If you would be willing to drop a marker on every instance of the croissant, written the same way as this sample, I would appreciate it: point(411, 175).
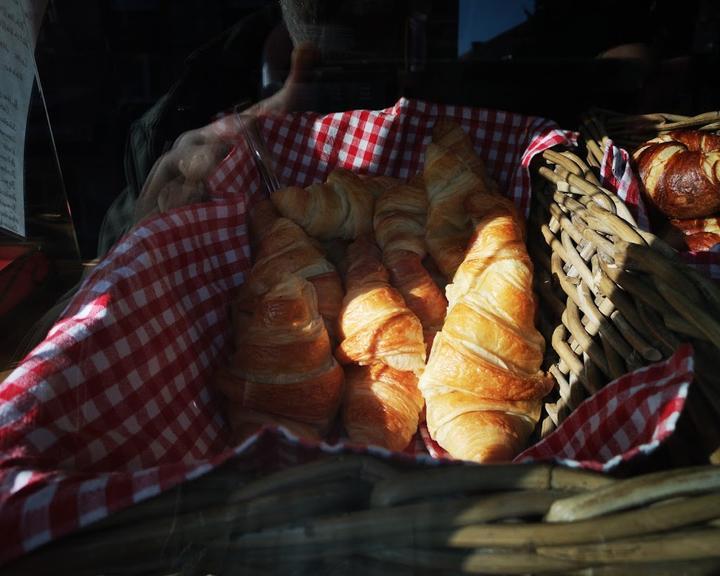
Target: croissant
point(379, 184)
point(375, 324)
point(482, 384)
point(381, 406)
point(681, 173)
point(342, 207)
point(283, 365)
point(399, 224)
point(451, 174)
point(382, 403)
point(399, 219)
point(286, 249)
point(449, 135)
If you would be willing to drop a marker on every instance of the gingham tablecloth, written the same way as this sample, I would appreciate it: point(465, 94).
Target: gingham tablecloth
point(114, 407)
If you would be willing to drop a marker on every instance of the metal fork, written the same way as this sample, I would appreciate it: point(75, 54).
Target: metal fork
point(262, 158)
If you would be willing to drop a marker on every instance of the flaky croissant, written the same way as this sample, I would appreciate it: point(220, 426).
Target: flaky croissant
point(283, 365)
point(452, 173)
point(375, 324)
point(342, 207)
point(381, 406)
point(383, 342)
point(399, 224)
point(482, 384)
point(449, 135)
point(399, 219)
point(286, 249)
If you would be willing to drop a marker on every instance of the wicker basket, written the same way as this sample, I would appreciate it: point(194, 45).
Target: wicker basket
point(630, 131)
point(356, 515)
point(613, 298)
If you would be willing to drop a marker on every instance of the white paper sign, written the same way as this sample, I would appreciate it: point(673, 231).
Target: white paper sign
point(17, 72)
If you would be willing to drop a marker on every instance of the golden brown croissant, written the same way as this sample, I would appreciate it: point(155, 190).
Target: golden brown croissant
point(342, 207)
point(449, 135)
point(451, 174)
point(482, 384)
point(379, 184)
point(375, 324)
point(399, 219)
point(286, 249)
point(381, 406)
point(283, 364)
point(399, 223)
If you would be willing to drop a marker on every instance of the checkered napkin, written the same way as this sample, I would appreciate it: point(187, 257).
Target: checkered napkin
point(616, 172)
point(114, 407)
point(611, 427)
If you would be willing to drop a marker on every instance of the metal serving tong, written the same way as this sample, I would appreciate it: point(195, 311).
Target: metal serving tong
point(262, 158)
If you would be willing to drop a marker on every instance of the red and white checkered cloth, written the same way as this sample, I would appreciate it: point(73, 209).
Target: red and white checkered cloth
point(611, 426)
point(617, 174)
point(113, 407)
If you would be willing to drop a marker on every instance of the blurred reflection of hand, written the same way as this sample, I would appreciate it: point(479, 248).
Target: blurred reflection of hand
point(178, 177)
point(298, 92)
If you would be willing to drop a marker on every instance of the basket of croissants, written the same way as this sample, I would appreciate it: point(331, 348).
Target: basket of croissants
point(428, 315)
point(401, 279)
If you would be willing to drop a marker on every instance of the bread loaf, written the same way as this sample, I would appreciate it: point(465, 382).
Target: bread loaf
point(381, 405)
point(698, 234)
point(680, 172)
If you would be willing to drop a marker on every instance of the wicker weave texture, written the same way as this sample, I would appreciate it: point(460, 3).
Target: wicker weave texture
point(356, 515)
point(613, 297)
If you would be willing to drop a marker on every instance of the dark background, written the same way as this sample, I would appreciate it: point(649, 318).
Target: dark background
point(103, 64)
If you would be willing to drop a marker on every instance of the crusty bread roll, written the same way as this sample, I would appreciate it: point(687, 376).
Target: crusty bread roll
point(449, 135)
point(702, 241)
point(262, 216)
point(680, 172)
point(244, 422)
point(483, 386)
point(399, 219)
point(697, 234)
